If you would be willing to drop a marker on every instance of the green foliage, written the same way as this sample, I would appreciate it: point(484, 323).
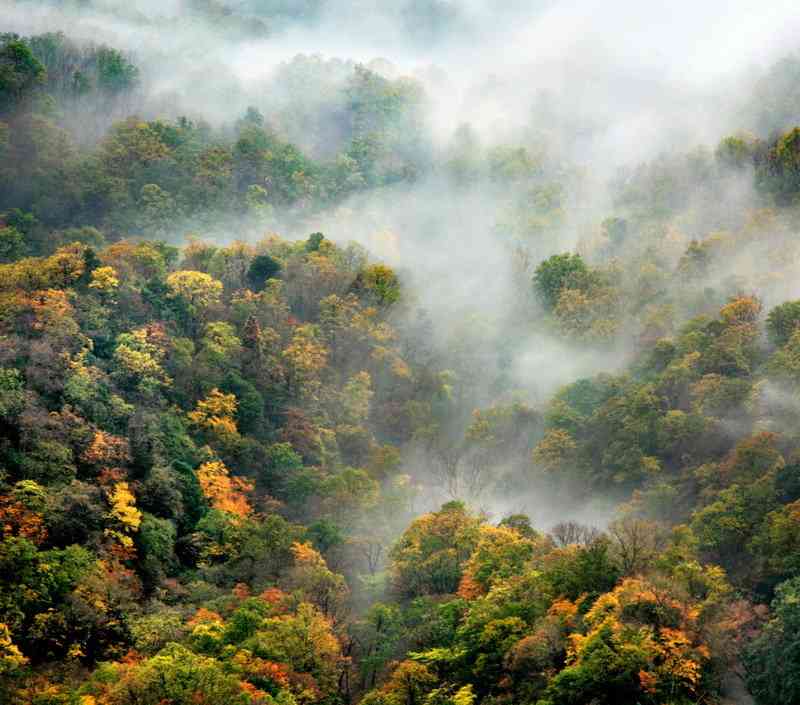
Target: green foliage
point(174, 675)
point(780, 174)
point(586, 570)
point(772, 661)
point(428, 557)
point(314, 241)
point(115, 74)
point(203, 450)
point(262, 267)
point(156, 540)
point(557, 273)
point(152, 632)
point(736, 151)
point(20, 72)
point(12, 244)
point(782, 321)
point(381, 284)
point(43, 580)
point(281, 462)
point(12, 393)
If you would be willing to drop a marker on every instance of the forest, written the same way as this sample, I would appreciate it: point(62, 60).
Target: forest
point(331, 378)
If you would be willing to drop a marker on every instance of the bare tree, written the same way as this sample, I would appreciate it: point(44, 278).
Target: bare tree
point(635, 543)
point(568, 533)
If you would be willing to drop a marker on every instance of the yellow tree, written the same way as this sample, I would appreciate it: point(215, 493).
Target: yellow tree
point(104, 280)
point(320, 585)
point(11, 658)
point(501, 552)
point(641, 643)
point(215, 416)
point(225, 493)
point(355, 399)
point(125, 517)
point(138, 357)
point(305, 358)
point(197, 292)
point(556, 450)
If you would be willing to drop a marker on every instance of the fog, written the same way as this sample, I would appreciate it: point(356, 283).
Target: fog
point(628, 79)
point(589, 86)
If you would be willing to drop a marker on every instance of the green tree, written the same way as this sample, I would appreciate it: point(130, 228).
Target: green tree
point(20, 73)
point(12, 244)
point(582, 570)
point(772, 661)
point(782, 321)
point(262, 267)
point(174, 675)
point(779, 174)
point(556, 273)
point(428, 557)
point(115, 74)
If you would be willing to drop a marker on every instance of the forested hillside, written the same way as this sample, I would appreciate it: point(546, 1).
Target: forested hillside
point(328, 395)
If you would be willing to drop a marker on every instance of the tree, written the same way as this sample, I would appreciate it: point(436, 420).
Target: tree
point(225, 493)
point(174, 675)
point(138, 356)
point(641, 644)
point(736, 151)
point(772, 660)
point(197, 291)
point(20, 73)
point(784, 365)
point(155, 543)
point(616, 229)
point(12, 393)
point(464, 155)
point(75, 514)
point(575, 570)
point(779, 174)
point(21, 511)
point(501, 553)
point(428, 557)
point(305, 358)
point(104, 280)
point(42, 582)
point(125, 518)
point(409, 684)
point(11, 658)
point(774, 546)
point(317, 583)
point(305, 642)
point(555, 451)
point(728, 523)
point(635, 544)
point(557, 273)
point(12, 244)
point(157, 210)
point(356, 397)
point(216, 417)
point(573, 533)
point(262, 268)
point(281, 462)
point(115, 74)
point(783, 321)
point(380, 284)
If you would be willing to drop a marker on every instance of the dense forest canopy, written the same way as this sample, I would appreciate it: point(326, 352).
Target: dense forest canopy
point(435, 379)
